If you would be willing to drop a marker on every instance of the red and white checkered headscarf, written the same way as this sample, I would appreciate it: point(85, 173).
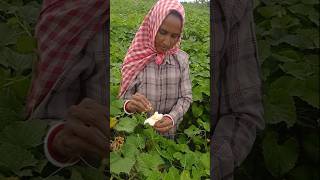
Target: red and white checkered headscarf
point(63, 30)
point(142, 48)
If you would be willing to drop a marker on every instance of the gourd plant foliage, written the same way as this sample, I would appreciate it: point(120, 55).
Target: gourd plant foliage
point(288, 40)
point(138, 151)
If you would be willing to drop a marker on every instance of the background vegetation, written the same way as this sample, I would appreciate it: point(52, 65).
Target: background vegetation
point(288, 39)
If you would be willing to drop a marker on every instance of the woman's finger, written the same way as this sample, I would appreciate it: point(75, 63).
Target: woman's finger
point(141, 99)
point(89, 118)
point(139, 106)
point(90, 135)
point(145, 101)
point(164, 122)
point(164, 129)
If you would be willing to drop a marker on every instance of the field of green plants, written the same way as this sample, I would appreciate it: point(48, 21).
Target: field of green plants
point(145, 154)
point(288, 40)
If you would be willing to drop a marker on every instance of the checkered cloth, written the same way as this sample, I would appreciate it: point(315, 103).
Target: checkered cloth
point(237, 113)
point(166, 86)
point(63, 30)
point(142, 49)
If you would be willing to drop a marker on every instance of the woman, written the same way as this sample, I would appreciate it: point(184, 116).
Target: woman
point(69, 85)
point(155, 72)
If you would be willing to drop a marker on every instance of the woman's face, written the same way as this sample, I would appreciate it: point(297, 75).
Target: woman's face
point(168, 33)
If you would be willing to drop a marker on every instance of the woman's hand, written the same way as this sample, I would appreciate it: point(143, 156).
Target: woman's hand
point(86, 131)
point(139, 103)
point(163, 125)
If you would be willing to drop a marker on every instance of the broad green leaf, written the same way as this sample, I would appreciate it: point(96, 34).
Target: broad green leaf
point(88, 173)
point(310, 1)
point(192, 131)
point(130, 147)
point(300, 70)
point(270, 11)
point(279, 107)
point(26, 44)
point(197, 93)
point(119, 164)
point(75, 175)
point(304, 172)
point(25, 134)
point(297, 41)
point(185, 175)
point(173, 173)
point(148, 162)
point(205, 160)
point(264, 50)
point(8, 35)
point(154, 175)
point(279, 158)
point(15, 157)
point(113, 122)
point(197, 110)
point(205, 125)
point(16, 61)
point(311, 146)
point(126, 124)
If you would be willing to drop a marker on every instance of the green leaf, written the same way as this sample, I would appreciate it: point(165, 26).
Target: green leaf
point(119, 164)
point(185, 175)
point(130, 148)
point(296, 41)
point(264, 50)
point(304, 172)
point(88, 173)
point(16, 61)
point(205, 125)
point(197, 93)
point(192, 131)
point(307, 89)
point(310, 2)
point(279, 107)
point(126, 124)
point(26, 44)
point(197, 110)
point(75, 175)
point(279, 158)
point(311, 145)
point(148, 162)
point(15, 158)
point(25, 134)
point(8, 35)
point(300, 70)
point(205, 160)
point(173, 173)
point(269, 11)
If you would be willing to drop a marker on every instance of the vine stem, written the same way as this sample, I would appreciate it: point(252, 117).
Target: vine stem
point(22, 25)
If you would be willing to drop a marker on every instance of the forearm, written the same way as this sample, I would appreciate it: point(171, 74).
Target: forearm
point(180, 108)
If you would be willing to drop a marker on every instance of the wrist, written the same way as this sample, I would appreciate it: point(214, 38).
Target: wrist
point(52, 151)
point(169, 117)
point(128, 107)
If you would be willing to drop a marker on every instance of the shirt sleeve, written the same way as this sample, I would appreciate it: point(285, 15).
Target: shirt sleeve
point(132, 89)
point(185, 98)
point(237, 95)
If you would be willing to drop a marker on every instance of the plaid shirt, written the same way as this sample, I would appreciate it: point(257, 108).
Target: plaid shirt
point(63, 30)
point(166, 86)
point(85, 77)
point(236, 88)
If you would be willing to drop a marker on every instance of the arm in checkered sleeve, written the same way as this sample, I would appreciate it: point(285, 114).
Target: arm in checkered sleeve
point(185, 99)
